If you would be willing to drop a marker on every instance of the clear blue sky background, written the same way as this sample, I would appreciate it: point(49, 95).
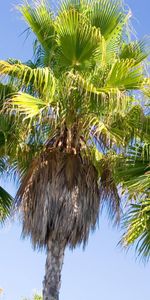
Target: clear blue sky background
point(103, 270)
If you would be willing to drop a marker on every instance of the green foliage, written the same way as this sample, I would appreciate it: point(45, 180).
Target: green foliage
point(107, 15)
point(125, 76)
point(40, 20)
point(77, 40)
point(137, 50)
point(6, 201)
point(137, 223)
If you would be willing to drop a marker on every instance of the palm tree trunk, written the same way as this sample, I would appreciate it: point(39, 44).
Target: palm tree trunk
point(53, 267)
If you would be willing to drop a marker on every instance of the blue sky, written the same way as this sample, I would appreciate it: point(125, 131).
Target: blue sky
point(103, 270)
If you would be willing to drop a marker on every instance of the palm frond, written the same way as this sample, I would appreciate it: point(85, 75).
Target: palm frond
point(112, 20)
point(6, 90)
point(78, 41)
point(26, 105)
point(106, 15)
point(136, 169)
point(41, 78)
point(125, 76)
point(109, 96)
point(137, 225)
point(137, 50)
point(40, 19)
point(6, 201)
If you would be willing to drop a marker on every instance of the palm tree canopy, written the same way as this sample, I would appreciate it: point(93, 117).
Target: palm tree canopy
point(77, 109)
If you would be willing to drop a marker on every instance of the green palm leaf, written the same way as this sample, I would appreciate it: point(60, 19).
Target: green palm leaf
point(137, 50)
point(5, 204)
point(125, 76)
point(106, 15)
point(41, 78)
point(26, 105)
point(40, 20)
point(5, 91)
point(6, 199)
point(78, 41)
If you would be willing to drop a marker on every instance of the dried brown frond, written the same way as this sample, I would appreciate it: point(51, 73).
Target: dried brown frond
point(59, 198)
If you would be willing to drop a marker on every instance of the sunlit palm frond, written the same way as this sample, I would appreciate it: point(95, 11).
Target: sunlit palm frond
point(78, 41)
point(125, 76)
point(141, 184)
point(111, 18)
point(106, 15)
point(41, 78)
point(26, 105)
point(88, 86)
point(111, 95)
point(136, 183)
point(40, 19)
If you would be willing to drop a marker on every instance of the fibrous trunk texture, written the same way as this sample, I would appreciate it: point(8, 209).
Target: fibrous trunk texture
point(59, 198)
point(53, 267)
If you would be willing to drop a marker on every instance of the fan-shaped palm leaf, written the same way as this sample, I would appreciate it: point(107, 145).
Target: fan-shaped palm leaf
point(40, 20)
point(125, 76)
point(106, 15)
point(41, 78)
point(6, 201)
point(78, 40)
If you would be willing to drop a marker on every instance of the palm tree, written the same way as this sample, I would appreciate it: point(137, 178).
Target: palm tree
point(74, 114)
